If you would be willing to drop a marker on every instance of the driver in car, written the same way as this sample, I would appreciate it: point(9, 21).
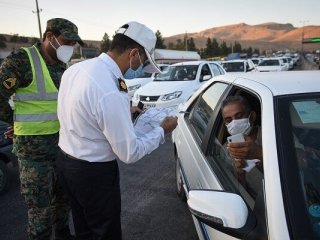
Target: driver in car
point(239, 118)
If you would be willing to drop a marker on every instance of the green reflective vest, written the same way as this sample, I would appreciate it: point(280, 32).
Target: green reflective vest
point(35, 106)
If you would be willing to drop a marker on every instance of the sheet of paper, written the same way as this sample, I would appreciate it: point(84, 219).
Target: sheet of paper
point(152, 118)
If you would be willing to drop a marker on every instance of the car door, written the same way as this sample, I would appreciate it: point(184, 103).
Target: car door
point(206, 162)
point(192, 134)
point(250, 188)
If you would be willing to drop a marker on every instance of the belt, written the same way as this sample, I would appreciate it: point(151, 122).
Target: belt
point(74, 158)
point(71, 157)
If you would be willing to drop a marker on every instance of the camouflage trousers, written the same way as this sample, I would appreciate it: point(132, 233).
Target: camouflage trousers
point(47, 205)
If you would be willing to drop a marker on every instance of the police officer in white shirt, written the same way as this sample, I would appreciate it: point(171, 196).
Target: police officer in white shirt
point(96, 128)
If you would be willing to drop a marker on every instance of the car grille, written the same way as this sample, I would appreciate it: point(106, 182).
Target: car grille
point(149, 98)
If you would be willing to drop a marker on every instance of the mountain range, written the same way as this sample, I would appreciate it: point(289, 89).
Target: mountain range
point(265, 36)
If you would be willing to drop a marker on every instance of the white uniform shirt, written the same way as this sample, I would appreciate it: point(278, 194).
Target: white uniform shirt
point(94, 115)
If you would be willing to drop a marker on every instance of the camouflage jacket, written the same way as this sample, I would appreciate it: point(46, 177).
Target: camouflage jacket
point(16, 72)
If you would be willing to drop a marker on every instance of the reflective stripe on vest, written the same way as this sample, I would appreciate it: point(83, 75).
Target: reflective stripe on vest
point(35, 106)
point(36, 117)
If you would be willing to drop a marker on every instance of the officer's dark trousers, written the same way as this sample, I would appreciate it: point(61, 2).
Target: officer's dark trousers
point(94, 192)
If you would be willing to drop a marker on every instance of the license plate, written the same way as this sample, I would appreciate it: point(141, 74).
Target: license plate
point(147, 106)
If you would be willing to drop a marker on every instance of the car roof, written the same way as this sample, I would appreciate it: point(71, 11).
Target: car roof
point(280, 83)
point(235, 60)
point(192, 63)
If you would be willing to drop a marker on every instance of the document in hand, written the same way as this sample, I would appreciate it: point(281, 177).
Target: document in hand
point(151, 118)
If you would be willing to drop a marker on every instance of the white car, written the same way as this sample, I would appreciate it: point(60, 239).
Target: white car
point(239, 66)
point(136, 83)
point(176, 84)
point(272, 65)
point(280, 198)
point(256, 61)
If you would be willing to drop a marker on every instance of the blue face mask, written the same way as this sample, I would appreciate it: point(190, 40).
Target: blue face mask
point(130, 73)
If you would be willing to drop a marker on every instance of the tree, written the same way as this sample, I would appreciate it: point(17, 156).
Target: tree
point(216, 51)
point(180, 45)
point(224, 48)
point(2, 38)
point(257, 51)
point(171, 45)
point(3, 41)
point(14, 38)
point(191, 45)
point(160, 42)
point(34, 40)
point(208, 52)
point(2, 44)
point(237, 47)
point(105, 43)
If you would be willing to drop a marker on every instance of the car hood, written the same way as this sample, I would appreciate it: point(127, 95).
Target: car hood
point(161, 88)
point(268, 68)
point(135, 81)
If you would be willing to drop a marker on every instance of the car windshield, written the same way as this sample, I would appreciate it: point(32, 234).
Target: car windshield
point(178, 73)
point(270, 62)
point(255, 61)
point(233, 66)
point(300, 141)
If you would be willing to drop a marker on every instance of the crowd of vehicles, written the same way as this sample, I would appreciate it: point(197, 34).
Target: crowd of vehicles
point(179, 81)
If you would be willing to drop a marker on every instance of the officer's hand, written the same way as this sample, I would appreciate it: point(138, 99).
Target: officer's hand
point(9, 133)
point(169, 124)
point(135, 109)
point(245, 150)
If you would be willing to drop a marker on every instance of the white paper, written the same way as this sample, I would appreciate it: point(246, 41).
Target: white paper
point(250, 164)
point(152, 118)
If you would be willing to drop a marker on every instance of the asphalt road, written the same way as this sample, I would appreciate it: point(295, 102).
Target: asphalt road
point(150, 206)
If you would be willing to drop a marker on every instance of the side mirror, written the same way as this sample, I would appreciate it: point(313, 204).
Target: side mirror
point(223, 211)
point(206, 78)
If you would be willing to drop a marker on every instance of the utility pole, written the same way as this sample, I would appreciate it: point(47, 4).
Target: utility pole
point(302, 34)
point(38, 15)
point(186, 41)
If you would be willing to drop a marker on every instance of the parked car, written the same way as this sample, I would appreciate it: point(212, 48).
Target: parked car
point(272, 65)
point(239, 66)
point(280, 198)
point(136, 83)
point(291, 64)
point(286, 63)
point(176, 84)
point(5, 156)
point(256, 61)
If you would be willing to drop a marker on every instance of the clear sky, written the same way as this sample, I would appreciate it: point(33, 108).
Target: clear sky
point(170, 17)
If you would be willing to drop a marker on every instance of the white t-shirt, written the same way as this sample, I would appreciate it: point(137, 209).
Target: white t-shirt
point(94, 115)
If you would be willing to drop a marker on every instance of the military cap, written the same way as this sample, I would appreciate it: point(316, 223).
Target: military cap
point(67, 29)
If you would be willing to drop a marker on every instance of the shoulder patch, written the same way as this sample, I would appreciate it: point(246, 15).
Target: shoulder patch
point(9, 83)
point(122, 85)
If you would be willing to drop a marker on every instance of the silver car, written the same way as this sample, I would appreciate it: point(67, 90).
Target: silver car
point(281, 197)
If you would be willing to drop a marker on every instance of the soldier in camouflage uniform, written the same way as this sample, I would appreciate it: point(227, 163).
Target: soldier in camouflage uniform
point(46, 203)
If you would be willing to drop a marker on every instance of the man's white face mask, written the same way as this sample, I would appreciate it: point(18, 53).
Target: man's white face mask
point(64, 52)
point(237, 126)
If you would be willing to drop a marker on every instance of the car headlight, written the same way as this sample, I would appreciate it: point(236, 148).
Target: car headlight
point(134, 87)
point(171, 96)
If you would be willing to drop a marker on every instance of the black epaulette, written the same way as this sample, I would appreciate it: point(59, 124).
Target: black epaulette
point(122, 85)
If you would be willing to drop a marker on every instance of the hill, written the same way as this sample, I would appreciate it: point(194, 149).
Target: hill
point(263, 36)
